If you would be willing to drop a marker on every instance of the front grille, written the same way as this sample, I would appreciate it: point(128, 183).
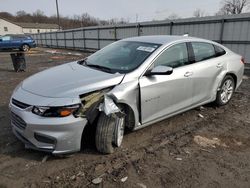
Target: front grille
point(20, 104)
point(17, 121)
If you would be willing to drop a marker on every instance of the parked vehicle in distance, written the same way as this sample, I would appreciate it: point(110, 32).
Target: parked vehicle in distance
point(22, 42)
point(129, 84)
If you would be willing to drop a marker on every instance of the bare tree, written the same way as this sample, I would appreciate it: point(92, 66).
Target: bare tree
point(199, 13)
point(233, 7)
point(7, 15)
point(39, 16)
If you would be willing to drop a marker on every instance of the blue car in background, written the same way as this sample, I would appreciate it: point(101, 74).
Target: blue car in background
point(22, 42)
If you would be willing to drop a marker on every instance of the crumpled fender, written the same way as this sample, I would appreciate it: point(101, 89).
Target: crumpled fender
point(108, 106)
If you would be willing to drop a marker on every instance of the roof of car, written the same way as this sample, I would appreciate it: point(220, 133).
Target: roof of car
point(159, 39)
point(17, 35)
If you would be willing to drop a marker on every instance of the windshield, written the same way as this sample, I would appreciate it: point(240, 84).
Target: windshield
point(122, 56)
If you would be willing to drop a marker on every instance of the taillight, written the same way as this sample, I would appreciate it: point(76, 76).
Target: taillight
point(242, 60)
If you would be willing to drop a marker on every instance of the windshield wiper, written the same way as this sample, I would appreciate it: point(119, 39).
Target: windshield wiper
point(105, 69)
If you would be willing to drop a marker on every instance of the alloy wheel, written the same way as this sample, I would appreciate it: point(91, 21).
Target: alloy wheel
point(227, 90)
point(25, 48)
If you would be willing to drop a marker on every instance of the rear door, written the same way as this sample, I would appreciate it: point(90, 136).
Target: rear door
point(162, 95)
point(207, 68)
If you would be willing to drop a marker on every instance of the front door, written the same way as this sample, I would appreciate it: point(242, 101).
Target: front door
point(163, 95)
point(17, 41)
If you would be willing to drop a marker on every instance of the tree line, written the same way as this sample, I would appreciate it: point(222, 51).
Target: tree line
point(228, 7)
point(66, 22)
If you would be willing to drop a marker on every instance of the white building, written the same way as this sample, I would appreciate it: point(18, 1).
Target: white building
point(9, 27)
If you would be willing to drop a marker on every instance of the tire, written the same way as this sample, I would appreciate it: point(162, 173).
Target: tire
point(25, 47)
point(106, 133)
point(225, 93)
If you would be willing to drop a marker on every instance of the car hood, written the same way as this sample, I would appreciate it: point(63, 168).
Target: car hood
point(69, 80)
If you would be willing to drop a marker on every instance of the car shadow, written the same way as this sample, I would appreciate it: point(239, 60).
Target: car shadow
point(10, 51)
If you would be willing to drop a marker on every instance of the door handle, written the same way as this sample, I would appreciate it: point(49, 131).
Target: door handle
point(188, 74)
point(219, 65)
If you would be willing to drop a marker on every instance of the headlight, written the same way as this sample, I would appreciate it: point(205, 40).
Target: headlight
point(62, 111)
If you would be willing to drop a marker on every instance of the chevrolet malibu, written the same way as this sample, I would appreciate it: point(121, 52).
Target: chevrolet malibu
point(129, 84)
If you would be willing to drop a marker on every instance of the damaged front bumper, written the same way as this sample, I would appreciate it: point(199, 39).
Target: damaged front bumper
point(55, 135)
point(58, 135)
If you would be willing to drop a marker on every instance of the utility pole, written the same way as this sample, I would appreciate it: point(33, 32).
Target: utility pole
point(58, 18)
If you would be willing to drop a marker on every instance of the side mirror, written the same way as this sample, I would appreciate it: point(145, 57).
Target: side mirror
point(160, 70)
point(1, 40)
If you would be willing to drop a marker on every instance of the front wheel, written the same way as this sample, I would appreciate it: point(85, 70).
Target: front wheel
point(109, 132)
point(226, 91)
point(25, 47)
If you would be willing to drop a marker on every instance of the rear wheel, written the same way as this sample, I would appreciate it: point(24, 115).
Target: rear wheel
point(109, 132)
point(25, 47)
point(226, 91)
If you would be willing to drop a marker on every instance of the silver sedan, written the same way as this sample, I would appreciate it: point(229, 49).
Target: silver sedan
point(129, 84)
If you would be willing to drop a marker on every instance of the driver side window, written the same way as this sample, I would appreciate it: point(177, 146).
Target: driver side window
point(175, 56)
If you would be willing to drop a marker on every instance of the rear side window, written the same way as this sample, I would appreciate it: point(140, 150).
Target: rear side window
point(203, 51)
point(5, 38)
point(219, 51)
point(175, 56)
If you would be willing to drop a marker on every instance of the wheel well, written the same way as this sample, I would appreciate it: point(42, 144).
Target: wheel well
point(88, 133)
point(25, 44)
point(130, 117)
point(234, 77)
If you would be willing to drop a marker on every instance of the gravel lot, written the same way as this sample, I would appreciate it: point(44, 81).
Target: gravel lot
point(204, 147)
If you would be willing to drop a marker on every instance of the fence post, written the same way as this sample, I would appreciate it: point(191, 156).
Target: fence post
point(115, 33)
point(98, 37)
point(73, 37)
point(40, 39)
point(84, 40)
point(222, 30)
point(56, 40)
point(138, 30)
point(51, 44)
point(171, 28)
point(65, 42)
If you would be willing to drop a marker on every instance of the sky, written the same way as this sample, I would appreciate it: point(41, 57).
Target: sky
point(142, 10)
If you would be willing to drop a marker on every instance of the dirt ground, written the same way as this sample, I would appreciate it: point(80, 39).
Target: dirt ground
point(204, 147)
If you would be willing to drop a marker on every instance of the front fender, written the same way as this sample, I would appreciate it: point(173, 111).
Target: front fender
point(128, 93)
